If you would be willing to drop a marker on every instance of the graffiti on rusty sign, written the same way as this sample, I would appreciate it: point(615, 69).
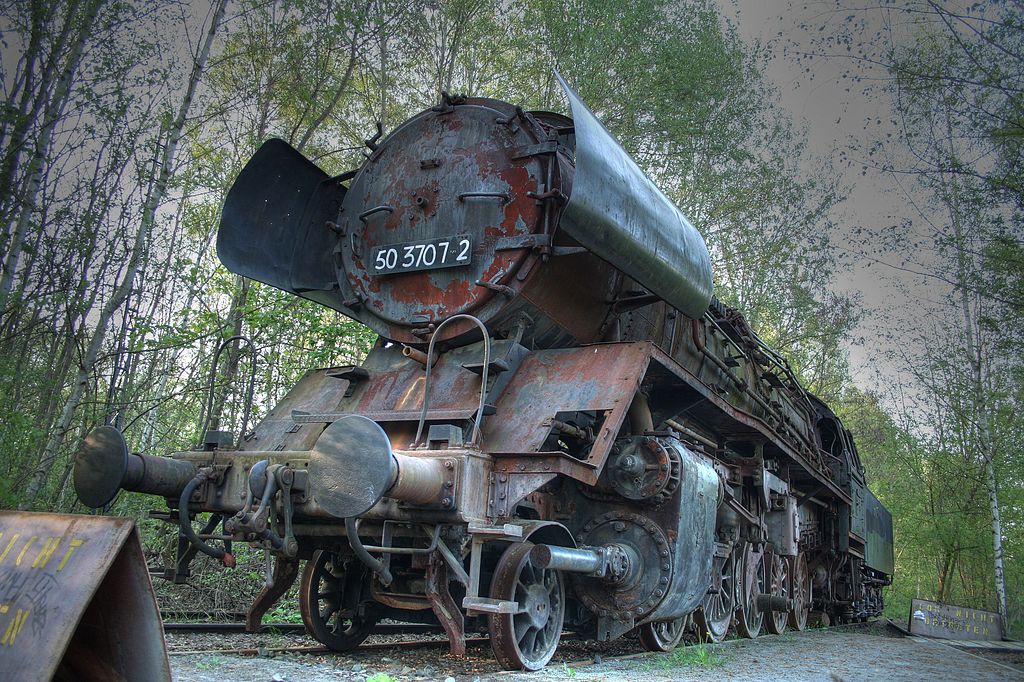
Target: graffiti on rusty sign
point(935, 619)
point(73, 589)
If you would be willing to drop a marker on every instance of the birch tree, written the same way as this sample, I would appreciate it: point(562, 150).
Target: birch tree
point(170, 136)
point(957, 94)
point(45, 113)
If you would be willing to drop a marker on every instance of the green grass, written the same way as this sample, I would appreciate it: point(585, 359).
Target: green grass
point(284, 612)
point(694, 656)
point(380, 677)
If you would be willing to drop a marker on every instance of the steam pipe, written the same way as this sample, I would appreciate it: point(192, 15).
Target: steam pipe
point(417, 355)
point(698, 341)
point(692, 434)
point(185, 523)
point(375, 565)
point(741, 384)
point(640, 419)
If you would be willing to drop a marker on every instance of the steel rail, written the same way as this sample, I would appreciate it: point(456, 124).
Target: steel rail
point(239, 627)
point(379, 646)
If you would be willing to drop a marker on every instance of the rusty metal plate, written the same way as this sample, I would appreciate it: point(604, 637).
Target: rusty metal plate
point(75, 599)
point(945, 621)
point(396, 383)
point(316, 392)
point(599, 378)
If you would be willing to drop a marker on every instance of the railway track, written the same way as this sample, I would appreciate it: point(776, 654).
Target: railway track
point(371, 646)
point(405, 629)
point(382, 629)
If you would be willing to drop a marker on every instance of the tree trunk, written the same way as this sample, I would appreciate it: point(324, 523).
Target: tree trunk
point(51, 116)
point(88, 363)
point(981, 414)
point(997, 538)
point(31, 102)
point(236, 316)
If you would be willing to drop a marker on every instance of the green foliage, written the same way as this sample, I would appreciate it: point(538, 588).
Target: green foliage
point(675, 84)
point(941, 520)
point(939, 434)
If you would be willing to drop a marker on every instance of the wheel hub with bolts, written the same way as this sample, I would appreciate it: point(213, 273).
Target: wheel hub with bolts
point(538, 606)
point(646, 582)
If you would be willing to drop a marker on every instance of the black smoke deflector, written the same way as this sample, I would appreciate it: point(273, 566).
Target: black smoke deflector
point(618, 213)
point(274, 224)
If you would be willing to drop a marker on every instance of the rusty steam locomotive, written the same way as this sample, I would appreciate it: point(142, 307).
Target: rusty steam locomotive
point(558, 428)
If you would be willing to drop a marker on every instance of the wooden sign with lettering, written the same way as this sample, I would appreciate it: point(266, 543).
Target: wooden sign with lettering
point(76, 602)
point(934, 619)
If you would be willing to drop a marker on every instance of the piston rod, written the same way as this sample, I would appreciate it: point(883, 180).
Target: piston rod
point(614, 562)
point(419, 480)
point(772, 602)
point(567, 559)
point(157, 475)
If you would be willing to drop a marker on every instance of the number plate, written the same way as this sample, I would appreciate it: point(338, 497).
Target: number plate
point(428, 254)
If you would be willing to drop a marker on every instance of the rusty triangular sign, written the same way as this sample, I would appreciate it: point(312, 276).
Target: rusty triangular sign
point(76, 602)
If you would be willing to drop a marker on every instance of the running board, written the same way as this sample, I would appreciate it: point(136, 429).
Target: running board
point(485, 605)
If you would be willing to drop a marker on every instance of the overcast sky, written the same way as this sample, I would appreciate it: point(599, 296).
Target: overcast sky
point(834, 109)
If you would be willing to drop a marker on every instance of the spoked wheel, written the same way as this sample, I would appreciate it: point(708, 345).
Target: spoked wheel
point(526, 639)
point(663, 635)
point(778, 583)
point(753, 578)
point(329, 599)
point(714, 616)
point(801, 593)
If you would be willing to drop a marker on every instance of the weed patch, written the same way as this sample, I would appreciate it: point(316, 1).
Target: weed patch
point(696, 656)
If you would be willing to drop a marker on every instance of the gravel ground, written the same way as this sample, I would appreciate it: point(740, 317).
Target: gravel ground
point(836, 655)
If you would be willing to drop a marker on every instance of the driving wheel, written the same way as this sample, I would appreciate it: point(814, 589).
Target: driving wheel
point(329, 600)
point(801, 583)
point(663, 635)
point(778, 584)
point(527, 638)
point(749, 618)
point(714, 616)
